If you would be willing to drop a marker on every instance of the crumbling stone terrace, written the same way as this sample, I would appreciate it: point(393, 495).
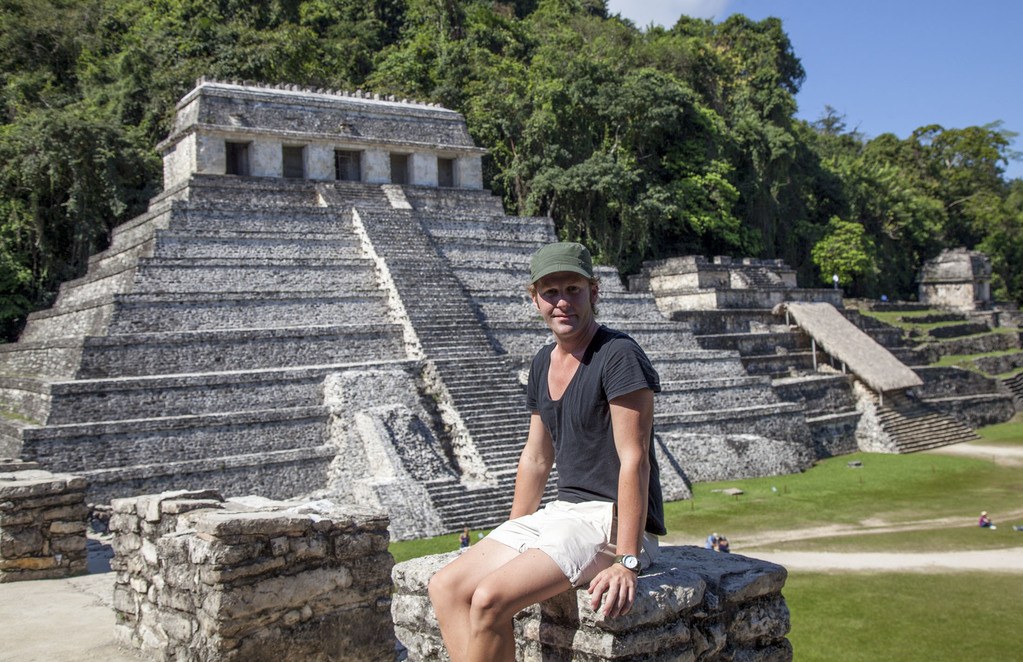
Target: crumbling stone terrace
point(42, 523)
point(201, 578)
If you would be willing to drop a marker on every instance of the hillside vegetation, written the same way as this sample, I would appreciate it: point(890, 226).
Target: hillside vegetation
point(642, 144)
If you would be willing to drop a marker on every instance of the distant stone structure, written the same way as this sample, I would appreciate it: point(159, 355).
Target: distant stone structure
point(852, 377)
point(693, 604)
point(281, 326)
point(203, 579)
point(42, 523)
point(958, 279)
point(693, 282)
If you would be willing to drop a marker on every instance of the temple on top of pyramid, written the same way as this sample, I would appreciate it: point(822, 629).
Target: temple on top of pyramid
point(295, 133)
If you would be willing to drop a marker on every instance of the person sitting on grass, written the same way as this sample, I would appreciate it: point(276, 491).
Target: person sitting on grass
point(985, 521)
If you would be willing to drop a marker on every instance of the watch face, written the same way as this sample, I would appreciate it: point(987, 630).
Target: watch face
point(630, 562)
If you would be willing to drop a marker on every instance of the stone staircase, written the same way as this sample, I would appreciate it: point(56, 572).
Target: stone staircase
point(914, 425)
point(481, 386)
point(1015, 386)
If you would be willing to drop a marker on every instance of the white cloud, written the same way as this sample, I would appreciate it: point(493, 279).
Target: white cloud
point(666, 12)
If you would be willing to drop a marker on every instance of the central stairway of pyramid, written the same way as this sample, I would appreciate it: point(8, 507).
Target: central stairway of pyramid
point(353, 340)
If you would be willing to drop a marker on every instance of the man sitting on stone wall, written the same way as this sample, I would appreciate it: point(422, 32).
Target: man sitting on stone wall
point(591, 398)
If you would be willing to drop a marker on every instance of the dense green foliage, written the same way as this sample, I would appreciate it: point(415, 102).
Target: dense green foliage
point(641, 144)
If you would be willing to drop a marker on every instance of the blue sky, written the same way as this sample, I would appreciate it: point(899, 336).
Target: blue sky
point(889, 66)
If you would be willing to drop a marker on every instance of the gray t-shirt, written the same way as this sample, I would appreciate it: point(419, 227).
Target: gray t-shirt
point(580, 422)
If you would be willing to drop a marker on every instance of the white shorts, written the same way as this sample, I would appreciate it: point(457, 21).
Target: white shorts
point(577, 536)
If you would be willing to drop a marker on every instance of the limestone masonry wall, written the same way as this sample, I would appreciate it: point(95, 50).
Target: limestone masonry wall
point(252, 580)
point(693, 604)
point(42, 523)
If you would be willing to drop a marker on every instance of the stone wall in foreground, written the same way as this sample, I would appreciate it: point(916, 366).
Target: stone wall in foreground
point(693, 604)
point(253, 580)
point(43, 518)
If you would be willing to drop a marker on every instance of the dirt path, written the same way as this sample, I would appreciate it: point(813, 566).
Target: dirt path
point(994, 560)
point(1004, 455)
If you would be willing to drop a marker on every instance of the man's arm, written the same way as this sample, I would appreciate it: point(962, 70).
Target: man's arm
point(535, 465)
point(632, 417)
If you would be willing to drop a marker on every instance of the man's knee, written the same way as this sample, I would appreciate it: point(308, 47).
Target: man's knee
point(488, 606)
point(440, 588)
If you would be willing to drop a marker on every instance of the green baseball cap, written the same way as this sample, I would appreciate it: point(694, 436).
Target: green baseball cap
point(562, 256)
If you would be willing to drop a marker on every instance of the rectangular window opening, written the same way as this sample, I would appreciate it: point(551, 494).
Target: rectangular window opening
point(399, 168)
point(347, 165)
point(294, 161)
point(237, 158)
point(446, 172)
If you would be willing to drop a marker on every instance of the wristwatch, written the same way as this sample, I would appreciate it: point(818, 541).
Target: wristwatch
point(629, 561)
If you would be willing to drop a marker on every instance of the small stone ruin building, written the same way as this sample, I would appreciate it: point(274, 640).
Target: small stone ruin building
point(958, 279)
point(324, 301)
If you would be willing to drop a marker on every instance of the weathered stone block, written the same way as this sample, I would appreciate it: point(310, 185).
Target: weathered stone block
point(252, 582)
point(692, 604)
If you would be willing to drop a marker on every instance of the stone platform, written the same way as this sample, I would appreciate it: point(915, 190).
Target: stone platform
point(693, 604)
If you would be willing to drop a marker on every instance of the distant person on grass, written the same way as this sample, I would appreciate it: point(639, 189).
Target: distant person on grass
point(985, 522)
point(591, 399)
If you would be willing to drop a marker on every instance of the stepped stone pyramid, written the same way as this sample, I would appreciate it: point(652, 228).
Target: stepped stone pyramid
point(324, 301)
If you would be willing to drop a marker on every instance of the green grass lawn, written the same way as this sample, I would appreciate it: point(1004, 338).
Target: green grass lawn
point(886, 488)
point(905, 617)
point(1009, 433)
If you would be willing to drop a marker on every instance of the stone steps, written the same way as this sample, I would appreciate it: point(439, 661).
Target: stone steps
point(138, 313)
point(780, 365)
point(916, 426)
point(469, 251)
point(486, 231)
point(285, 221)
point(192, 311)
point(726, 322)
point(818, 393)
point(152, 397)
point(218, 350)
point(251, 192)
point(284, 275)
point(226, 245)
point(272, 475)
point(164, 353)
point(95, 286)
point(775, 421)
point(219, 448)
point(749, 344)
point(1015, 386)
point(84, 318)
point(709, 394)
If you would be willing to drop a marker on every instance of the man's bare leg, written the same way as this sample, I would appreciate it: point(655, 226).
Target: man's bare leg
point(452, 588)
point(529, 578)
